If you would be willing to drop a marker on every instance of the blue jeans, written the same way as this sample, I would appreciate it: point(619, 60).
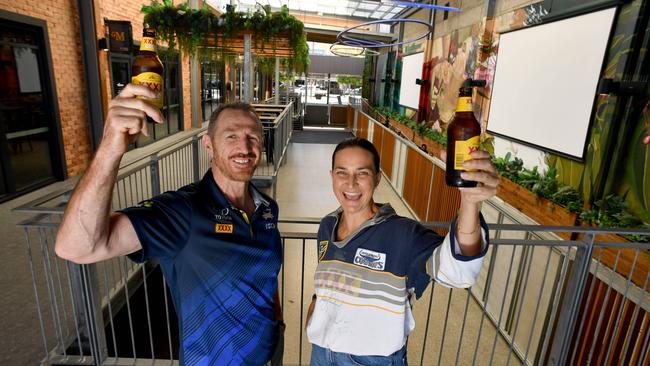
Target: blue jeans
point(324, 357)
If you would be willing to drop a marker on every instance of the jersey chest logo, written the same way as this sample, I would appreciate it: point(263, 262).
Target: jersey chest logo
point(223, 228)
point(368, 258)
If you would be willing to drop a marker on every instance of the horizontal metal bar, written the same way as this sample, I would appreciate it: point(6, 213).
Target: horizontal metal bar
point(286, 235)
point(34, 205)
point(299, 220)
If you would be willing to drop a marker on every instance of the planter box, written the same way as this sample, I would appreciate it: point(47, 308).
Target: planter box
point(625, 259)
point(433, 147)
point(407, 132)
point(537, 208)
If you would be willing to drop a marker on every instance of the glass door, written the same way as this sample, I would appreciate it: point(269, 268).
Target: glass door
point(28, 138)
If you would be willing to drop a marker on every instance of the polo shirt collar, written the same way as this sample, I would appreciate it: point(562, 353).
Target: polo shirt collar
point(217, 195)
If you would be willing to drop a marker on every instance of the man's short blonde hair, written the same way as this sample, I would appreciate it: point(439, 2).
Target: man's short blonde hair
point(240, 106)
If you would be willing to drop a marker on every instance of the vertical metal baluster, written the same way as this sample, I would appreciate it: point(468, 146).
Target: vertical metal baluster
point(620, 312)
point(462, 330)
point(125, 275)
point(283, 262)
point(61, 296)
point(120, 204)
point(302, 299)
point(488, 287)
point(75, 313)
point(154, 179)
point(600, 317)
point(35, 286)
point(169, 331)
point(196, 159)
point(643, 354)
point(539, 296)
point(426, 327)
point(176, 172)
point(444, 327)
point(584, 315)
point(637, 310)
point(503, 301)
point(525, 285)
point(146, 303)
point(56, 320)
point(132, 201)
point(110, 310)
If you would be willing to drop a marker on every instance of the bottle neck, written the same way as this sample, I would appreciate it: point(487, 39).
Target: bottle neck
point(148, 44)
point(464, 104)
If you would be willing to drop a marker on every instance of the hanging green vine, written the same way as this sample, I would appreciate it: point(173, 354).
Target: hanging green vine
point(189, 28)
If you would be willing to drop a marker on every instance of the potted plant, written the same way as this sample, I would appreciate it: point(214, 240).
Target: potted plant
point(612, 212)
point(200, 31)
point(537, 195)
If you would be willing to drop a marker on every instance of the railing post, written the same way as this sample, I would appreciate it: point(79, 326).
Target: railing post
point(276, 99)
point(155, 176)
point(570, 305)
point(195, 158)
point(248, 69)
point(90, 320)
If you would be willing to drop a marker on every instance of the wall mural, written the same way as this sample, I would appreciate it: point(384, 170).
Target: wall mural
point(466, 52)
point(453, 60)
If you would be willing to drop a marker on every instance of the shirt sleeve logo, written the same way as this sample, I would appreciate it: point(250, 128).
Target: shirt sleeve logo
point(147, 204)
point(267, 214)
point(368, 258)
point(322, 248)
point(223, 228)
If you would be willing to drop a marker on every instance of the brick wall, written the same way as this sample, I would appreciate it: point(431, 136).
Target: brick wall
point(62, 18)
point(130, 10)
point(65, 46)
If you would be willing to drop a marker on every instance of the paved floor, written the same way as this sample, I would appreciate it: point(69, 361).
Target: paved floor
point(304, 190)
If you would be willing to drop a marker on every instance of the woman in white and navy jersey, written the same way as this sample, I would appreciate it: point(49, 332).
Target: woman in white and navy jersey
point(372, 261)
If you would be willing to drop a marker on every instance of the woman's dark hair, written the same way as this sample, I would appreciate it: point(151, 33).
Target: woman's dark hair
point(361, 143)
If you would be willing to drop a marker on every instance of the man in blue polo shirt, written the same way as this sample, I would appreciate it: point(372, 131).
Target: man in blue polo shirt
point(217, 240)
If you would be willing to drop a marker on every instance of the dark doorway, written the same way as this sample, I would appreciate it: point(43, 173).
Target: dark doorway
point(29, 139)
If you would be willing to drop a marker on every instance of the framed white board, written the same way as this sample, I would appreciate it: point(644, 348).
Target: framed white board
point(409, 91)
point(545, 82)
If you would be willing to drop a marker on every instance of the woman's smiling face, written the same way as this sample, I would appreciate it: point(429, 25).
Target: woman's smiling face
point(354, 179)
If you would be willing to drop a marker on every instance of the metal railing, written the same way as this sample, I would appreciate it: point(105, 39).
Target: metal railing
point(526, 307)
point(537, 299)
point(277, 134)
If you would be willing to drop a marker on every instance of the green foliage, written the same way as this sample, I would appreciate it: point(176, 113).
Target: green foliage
point(436, 136)
point(612, 211)
point(545, 185)
point(568, 197)
point(509, 167)
point(189, 28)
point(487, 144)
point(266, 65)
point(352, 81)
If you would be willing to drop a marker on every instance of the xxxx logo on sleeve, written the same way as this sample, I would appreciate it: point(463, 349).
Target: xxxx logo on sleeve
point(223, 228)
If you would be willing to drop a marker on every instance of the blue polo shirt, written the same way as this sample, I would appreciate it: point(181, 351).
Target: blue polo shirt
point(221, 268)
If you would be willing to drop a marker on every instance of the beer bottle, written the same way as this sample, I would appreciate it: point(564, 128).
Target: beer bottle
point(147, 69)
point(463, 136)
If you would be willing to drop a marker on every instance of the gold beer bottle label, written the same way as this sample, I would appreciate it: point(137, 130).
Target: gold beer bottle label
point(462, 151)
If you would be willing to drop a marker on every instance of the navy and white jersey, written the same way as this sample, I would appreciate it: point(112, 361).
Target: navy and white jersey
point(221, 267)
point(364, 284)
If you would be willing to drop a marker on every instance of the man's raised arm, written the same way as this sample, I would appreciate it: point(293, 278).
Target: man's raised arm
point(89, 232)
